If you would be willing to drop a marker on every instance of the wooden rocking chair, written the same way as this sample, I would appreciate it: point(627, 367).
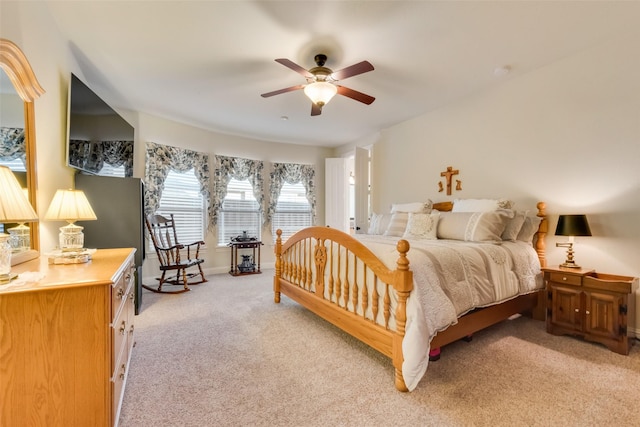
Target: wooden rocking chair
point(174, 257)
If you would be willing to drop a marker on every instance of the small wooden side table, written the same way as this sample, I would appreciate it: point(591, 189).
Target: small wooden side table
point(595, 306)
point(252, 244)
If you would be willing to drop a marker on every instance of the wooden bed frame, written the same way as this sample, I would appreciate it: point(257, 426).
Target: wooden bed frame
point(293, 275)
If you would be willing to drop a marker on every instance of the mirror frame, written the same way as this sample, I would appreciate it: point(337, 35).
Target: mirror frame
point(15, 64)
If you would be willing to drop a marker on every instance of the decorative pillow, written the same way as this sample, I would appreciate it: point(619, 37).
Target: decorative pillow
point(473, 226)
point(424, 207)
point(529, 229)
point(422, 226)
point(480, 205)
point(398, 224)
point(514, 225)
point(378, 223)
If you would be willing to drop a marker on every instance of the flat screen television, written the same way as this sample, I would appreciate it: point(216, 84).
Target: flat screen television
point(99, 140)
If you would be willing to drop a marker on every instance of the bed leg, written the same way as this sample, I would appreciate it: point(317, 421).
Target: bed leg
point(278, 266)
point(434, 354)
point(400, 385)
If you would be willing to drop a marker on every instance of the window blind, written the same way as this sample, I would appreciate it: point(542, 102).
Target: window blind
point(182, 198)
point(293, 211)
point(240, 212)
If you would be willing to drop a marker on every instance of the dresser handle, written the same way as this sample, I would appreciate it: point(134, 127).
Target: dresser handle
point(123, 328)
point(123, 371)
point(132, 296)
point(120, 293)
point(131, 330)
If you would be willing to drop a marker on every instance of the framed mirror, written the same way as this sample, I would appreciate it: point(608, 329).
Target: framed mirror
point(19, 87)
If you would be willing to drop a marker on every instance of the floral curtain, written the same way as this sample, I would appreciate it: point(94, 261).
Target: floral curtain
point(292, 173)
point(160, 160)
point(12, 145)
point(91, 155)
point(118, 153)
point(240, 169)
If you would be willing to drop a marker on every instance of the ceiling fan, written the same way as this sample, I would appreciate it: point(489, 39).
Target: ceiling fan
point(321, 82)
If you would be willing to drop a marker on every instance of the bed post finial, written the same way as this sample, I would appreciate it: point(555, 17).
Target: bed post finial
point(278, 266)
point(542, 233)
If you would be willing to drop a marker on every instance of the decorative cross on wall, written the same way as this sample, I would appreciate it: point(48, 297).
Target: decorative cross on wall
point(448, 174)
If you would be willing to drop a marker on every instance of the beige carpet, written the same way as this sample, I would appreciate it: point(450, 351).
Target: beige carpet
point(225, 355)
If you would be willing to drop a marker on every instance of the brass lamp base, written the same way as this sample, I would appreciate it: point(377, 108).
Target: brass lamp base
point(569, 262)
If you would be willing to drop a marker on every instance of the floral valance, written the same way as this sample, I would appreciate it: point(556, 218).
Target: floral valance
point(160, 160)
point(12, 144)
point(292, 173)
point(92, 155)
point(240, 169)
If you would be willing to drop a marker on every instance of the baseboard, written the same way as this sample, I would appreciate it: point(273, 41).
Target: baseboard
point(211, 271)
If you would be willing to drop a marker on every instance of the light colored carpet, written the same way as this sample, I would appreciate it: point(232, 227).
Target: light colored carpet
point(225, 354)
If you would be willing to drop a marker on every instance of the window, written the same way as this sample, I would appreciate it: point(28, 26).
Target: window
point(108, 170)
point(293, 211)
point(182, 198)
point(16, 165)
point(240, 212)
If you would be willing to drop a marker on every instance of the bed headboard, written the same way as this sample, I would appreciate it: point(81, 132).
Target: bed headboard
point(540, 236)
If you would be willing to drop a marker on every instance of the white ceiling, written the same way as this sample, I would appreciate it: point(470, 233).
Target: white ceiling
point(205, 63)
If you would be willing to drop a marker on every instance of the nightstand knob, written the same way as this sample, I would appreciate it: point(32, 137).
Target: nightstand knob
point(577, 310)
point(587, 312)
point(564, 278)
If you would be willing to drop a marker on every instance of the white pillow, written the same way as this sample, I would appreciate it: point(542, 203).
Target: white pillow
point(514, 225)
point(422, 226)
point(412, 207)
point(529, 229)
point(480, 205)
point(398, 224)
point(473, 226)
point(378, 223)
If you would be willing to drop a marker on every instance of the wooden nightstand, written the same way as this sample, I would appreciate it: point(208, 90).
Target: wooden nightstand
point(594, 306)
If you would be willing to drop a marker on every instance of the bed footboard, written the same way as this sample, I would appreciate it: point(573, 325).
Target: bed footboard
point(339, 279)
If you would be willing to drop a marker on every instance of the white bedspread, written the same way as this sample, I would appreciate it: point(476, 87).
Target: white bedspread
point(451, 278)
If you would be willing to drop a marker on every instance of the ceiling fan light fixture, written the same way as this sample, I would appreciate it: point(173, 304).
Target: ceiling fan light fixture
point(320, 93)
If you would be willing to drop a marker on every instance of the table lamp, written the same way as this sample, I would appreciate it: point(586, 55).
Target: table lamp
point(571, 225)
point(71, 206)
point(14, 207)
point(20, 239)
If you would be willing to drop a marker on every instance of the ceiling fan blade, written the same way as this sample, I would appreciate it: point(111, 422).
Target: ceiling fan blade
point(354, 70)
point(315, 110)
point(285, 90)
point(295, 67)
point(354, 94)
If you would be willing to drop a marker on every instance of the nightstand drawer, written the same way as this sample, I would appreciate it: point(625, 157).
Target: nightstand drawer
point(569, 279)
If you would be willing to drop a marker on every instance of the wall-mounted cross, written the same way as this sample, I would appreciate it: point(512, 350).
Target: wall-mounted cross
point(448, 174)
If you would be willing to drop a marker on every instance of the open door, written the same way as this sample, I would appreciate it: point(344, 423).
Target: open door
point(337, 194)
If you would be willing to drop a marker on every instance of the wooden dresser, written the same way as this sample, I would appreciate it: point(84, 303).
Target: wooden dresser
point(66, 341)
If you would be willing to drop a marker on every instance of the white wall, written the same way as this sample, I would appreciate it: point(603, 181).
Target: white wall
point(567, 134)
point(31, 27)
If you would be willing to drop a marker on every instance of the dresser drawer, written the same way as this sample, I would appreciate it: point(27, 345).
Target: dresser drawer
point(121, 289)
point(119, 332)
point(568, 279)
